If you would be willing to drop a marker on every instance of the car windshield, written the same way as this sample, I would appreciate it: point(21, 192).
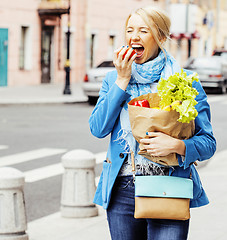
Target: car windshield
point(106, 64)
point(206, 63)
point(220, 53)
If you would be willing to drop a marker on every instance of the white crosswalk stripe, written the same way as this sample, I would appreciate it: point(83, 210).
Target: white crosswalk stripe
point(3, 147)
point(222, 99)
point(54, 170)
point(29, 156)
point(47, 172)
point(42, 172)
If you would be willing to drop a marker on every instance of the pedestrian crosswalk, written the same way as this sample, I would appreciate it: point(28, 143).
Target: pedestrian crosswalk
point(29, 156)
point(45, 172)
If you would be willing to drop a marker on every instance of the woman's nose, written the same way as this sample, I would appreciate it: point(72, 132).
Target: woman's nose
point(135, 36)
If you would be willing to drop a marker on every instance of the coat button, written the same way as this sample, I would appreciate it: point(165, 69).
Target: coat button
point(121, 155)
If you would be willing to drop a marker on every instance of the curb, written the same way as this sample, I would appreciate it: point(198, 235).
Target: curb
point(43, 101)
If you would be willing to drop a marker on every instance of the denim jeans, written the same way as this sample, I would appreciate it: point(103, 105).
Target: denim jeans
point(123, 225)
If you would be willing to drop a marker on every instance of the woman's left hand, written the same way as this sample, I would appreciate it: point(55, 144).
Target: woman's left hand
point(161, 144)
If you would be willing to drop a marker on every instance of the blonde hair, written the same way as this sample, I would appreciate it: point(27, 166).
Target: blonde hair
point(158, 22)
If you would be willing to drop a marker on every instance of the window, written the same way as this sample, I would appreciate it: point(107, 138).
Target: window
point(25, 49)
point(92, 50)
point(111, 39)
point(111, 46)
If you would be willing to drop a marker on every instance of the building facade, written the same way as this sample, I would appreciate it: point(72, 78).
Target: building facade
point(33, 35)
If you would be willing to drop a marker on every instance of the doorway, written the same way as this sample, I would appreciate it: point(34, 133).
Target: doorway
point(46, 53)
point(3, 56)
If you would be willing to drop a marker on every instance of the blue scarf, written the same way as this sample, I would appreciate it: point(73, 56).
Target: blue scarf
point(142, 82)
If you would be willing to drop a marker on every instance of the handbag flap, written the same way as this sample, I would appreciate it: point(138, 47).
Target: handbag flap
point(163, 186)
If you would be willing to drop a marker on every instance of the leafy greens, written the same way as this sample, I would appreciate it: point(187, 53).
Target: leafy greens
point(179, 87)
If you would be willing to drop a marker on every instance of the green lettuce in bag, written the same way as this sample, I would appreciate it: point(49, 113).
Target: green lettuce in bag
point(178, 87)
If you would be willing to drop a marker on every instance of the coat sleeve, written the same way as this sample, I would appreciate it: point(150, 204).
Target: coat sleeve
point(109, 105)
point(202, 145)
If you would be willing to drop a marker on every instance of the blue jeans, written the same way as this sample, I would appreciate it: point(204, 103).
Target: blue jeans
point(123, 225)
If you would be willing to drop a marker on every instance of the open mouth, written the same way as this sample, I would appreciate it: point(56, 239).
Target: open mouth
point(139, 49)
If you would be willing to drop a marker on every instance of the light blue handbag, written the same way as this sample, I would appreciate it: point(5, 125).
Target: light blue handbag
point(163, 186)
point(162, 197)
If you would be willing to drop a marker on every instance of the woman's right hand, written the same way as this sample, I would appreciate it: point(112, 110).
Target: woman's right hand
point(123, 65)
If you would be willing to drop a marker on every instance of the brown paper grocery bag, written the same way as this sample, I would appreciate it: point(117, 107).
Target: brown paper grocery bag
point(144, 120)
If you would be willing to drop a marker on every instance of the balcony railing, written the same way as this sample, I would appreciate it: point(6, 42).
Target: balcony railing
point(53, 7)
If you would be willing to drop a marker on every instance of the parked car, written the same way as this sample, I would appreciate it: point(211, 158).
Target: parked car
point(93, 80)
point(219, 52)
point(212, 71)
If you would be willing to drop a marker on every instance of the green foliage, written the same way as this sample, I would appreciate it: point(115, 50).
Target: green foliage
point(179, 87)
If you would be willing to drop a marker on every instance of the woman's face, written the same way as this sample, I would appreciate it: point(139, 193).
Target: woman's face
point(140, 38)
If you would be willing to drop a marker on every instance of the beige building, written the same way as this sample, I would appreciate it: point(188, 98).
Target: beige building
point(33, 35)
point(207, 24)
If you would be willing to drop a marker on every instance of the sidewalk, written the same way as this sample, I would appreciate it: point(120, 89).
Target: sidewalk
point(54, 227)
point(207, 223)
point(40, 94)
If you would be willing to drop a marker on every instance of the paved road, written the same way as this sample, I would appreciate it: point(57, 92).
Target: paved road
point(33, 139)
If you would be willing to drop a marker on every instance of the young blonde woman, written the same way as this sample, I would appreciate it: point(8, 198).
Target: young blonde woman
point(146, 31)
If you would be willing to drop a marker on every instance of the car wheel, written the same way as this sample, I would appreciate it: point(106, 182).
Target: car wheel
point(223, 89)
point(92, 100)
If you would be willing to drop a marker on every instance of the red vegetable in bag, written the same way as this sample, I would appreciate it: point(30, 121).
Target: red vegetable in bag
point(142, 103)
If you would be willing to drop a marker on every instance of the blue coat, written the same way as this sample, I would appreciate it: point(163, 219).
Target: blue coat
point(104, 120)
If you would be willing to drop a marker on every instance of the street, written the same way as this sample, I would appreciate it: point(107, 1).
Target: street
point(34, 137)
point(47, 131)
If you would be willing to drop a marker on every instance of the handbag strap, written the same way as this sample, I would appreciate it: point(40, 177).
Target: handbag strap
point(133, 166)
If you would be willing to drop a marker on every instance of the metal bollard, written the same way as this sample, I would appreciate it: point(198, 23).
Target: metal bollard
point(13, 222)
point(78, 185)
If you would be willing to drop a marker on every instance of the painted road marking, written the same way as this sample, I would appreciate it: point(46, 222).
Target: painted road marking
point(29, 156)
point(43, 173)
point(47, 172)
point(3, 147)
point(54, 170)
point(222, 99)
